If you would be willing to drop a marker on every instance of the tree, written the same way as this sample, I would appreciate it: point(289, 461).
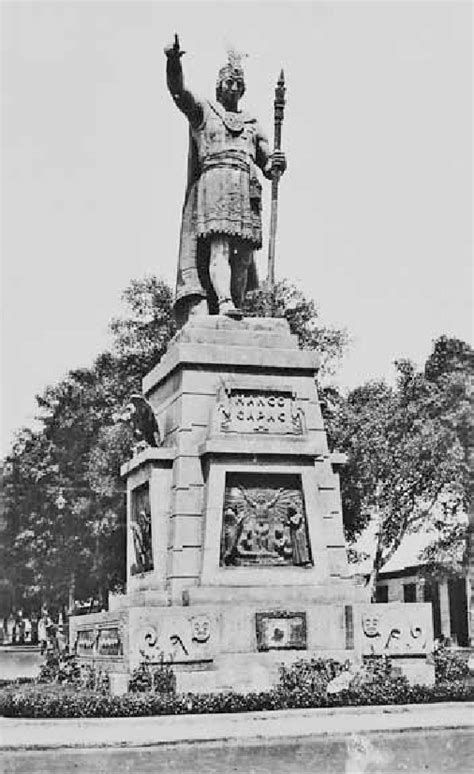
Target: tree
point(140, 336)
point(408, 449)
point(288, 301)
point(61, 510)
point(55, 519)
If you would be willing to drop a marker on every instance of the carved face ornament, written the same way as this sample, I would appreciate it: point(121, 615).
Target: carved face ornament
point(201, 628)
point(370, 625)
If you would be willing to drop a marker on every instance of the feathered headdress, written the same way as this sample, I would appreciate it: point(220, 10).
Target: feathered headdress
point(233, 66)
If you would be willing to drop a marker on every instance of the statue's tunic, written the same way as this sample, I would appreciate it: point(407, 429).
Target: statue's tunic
point(223, 195)
point(228, 189)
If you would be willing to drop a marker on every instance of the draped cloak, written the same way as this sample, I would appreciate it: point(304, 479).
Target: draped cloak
point(223, 197)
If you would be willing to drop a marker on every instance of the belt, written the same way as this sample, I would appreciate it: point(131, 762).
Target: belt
point(233, 159)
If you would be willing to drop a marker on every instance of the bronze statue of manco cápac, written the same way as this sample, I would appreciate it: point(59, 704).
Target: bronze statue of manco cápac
point(222, 218)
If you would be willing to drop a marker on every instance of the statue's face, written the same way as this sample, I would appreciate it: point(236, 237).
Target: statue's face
point(231, 90)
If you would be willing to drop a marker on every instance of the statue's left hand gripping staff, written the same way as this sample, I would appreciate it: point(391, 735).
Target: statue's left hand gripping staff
point(182, 98)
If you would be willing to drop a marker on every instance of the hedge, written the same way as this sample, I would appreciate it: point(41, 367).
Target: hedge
point(65, 691)
point(63, 702)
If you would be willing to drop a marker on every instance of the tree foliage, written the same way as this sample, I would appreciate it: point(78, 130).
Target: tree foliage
point(408, 449)
point(288, 301)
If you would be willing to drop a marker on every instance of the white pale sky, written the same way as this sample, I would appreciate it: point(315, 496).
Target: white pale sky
point(375, 218)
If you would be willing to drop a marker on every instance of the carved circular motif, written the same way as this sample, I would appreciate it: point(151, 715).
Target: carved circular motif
point(233, 122)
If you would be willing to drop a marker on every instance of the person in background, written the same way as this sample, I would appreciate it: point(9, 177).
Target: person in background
point(27, 631)
point(10, 629)
point(20, 629)
point(42, 633)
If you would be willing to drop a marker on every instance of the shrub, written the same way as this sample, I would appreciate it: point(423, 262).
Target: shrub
point(93, 679)
point(59, 668)
point(313, 675)
point(63, 668)
point(148, 677)
point(449, 665)
point(301, 685)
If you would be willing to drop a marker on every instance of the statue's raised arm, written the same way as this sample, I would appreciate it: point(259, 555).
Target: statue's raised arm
point(182, 97)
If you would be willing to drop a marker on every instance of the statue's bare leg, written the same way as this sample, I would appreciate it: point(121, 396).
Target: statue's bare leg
point(221, 275)
point(241, 258)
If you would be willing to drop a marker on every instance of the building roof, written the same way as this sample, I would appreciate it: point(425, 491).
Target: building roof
point(408, 553)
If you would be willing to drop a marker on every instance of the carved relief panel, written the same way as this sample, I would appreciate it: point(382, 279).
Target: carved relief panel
point(140, 525)
point(176, 639)
point(85, 642)
point(264, 521)
point(98, 642)
point(398, 630)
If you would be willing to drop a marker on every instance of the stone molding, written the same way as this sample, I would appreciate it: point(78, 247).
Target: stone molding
point(163, 455)
point(281, 446)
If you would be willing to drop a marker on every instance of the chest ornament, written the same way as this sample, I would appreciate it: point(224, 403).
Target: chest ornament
point(233, 122)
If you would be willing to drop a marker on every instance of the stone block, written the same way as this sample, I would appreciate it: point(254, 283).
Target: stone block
point(394, 629)
point(188, 500)
point(333, 530)
point(178, 635)
point(256, 445)
point(158, 458)
point(147, 598)
point(165, 392)
point(20, 661)
point(186, 531)
point(278, 595)
point(196, 409)
point(327, 480)
point(337, 560)
point(189, 438)
point(118, 682)
point(185, 562)
point(326, 627)
point(169, 417)
point(418, 671)
point(226, 356)
point(261, 339)
point(187, 471)
point(314, 419)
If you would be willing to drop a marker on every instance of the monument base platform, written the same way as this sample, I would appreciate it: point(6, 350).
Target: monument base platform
point(236, 558)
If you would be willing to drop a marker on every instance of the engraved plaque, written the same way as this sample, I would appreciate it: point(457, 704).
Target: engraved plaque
point(109, 643)
point(259, 411)
point(264, 521)
point(281, 631)
point(85, 642)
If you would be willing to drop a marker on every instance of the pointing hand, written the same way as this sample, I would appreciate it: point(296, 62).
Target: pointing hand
point(173, 51)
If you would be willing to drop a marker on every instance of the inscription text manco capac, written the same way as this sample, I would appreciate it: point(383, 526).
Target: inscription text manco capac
point(251, 411)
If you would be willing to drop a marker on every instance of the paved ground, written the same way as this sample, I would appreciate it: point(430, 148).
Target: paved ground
point(431, 751)
point(142, 732)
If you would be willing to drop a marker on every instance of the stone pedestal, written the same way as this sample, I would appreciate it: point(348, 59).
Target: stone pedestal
point(236, 555)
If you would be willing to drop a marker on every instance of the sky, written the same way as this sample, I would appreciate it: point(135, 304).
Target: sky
point(375, 210)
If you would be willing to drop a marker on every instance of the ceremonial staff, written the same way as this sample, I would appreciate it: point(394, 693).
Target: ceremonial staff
point(279, 106)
